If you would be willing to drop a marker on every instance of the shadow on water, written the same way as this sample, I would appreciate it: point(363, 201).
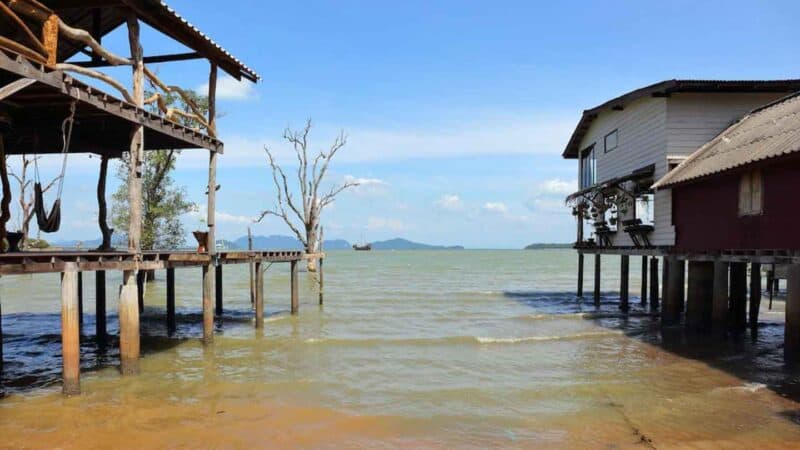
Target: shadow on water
point(32, 343)
point(753, 358)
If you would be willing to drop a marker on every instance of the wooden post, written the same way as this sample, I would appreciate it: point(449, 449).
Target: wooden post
point(623, 282)
point(321, 281)
point(259, 293)
point(738, 294)
point(171, 300)
point(102, 208)
point(5, 200)
point(80, 299)
point(643, 297)
point(700, 295)
point(580, 275)
point(208, 281)
point(208, 307)
point(128, 298)
point(140, 277)
point(70, 331)
point(755, 294)
point(791, 335)
point(720, 307)
point(1, 338)
point(100, 305)
point(295, 297)
point(218, 290)
point(251, 265)
point(664, 278)
point(654, 283)
point(128, 324)
point(673, 298)
point(597, 279)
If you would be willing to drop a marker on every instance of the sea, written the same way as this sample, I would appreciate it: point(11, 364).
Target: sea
point(411, 349)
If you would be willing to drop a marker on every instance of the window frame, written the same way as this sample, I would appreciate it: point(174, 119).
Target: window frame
point(589, 154)
point(606, 149)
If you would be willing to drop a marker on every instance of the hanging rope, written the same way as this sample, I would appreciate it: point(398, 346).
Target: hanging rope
point(51, 222)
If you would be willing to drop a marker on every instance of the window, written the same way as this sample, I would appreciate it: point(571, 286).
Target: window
point(750, 194)
point(588, 167)
point(645, 208)
point(611, 141)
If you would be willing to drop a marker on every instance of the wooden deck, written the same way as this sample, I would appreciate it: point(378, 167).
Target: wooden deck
point(89, 261)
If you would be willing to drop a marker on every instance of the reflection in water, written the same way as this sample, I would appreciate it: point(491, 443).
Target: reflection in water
point(412, 349)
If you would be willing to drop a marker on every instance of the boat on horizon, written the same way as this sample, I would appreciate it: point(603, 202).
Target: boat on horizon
point(362, 248)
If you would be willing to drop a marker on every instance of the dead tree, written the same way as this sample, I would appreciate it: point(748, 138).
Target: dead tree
point(304, 218)
point(26, 198)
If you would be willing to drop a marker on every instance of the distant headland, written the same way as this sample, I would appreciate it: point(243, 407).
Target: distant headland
point(541, 246)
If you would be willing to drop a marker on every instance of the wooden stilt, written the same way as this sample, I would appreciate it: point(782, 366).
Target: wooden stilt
point(755, 294)
point(597, 279)
point(673, 298)
point(208, 307)
point(643, 297)
point(295, 294)
point(129, 324)
point(1, 338)
point(251, 266)
point(738, 294)
point(664, 278)
point(682, 274)
point(624, 278)
point(771, 284)
point(140, 277)
point(321, 281)
point(580, 275)
point(70, 331)
point(259, 294)
point(100, 305)
point(171, 300)
point(791, 335)
point(700, 295)
point(218, 290)
point(720, 304)
point(80, 299)
point(654, 283)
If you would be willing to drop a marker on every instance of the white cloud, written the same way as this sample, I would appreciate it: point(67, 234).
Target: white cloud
point(228, 88)
point(524, 135)
point(221, 216)
point(366, 185)
point(381, 223)
point(449, 202)
point(495, 207)
point(558, 187)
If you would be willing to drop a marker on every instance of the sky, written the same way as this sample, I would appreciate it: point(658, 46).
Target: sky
point(456, 112)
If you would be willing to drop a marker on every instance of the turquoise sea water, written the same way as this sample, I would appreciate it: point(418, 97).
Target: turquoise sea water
point(434, 348)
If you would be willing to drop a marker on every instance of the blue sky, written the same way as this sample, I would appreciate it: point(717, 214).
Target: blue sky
point(456, 111)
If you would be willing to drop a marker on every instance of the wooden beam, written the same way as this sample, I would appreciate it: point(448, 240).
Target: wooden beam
point(70, 332)
point(157, 59)
point(100, 305)
point(294, 287)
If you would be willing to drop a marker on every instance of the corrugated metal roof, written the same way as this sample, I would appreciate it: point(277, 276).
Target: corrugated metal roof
point(667, 87)
point(768, 132)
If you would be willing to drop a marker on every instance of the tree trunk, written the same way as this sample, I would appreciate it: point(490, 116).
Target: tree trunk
point(102, 210)
point(311, 247)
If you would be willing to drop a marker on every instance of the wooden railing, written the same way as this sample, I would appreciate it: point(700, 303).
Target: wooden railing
point(44, 51)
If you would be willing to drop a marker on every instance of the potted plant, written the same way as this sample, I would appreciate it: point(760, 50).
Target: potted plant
point(202, 239)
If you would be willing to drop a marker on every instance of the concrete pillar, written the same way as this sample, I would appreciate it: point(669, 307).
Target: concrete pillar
point(208, 308)
point(643, 296)
point(259, 294)
point(624, 278)
point(597, 279)
point(654, 300)
point(129, 324)
point(700, 295)
point(295, 294)
point(755, 294)
point(171, 324)
point(738, 295)
point(100, 305)
point(218, 290)
point(580, 274)
point(70, 331)
point(673, 299)
point(792, 328)
point(720, 307)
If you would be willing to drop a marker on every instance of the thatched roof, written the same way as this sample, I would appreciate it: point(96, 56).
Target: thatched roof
point(768, 132)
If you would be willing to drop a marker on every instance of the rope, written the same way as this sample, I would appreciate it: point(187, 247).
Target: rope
point(66, 141)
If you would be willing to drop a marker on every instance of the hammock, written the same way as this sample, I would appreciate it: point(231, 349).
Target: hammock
point(50, 222)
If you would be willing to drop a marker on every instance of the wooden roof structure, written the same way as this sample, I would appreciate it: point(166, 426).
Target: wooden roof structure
point(767, 132)
point(667, 87)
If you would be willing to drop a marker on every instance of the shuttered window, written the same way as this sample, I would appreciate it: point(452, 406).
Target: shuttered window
point(751, 189)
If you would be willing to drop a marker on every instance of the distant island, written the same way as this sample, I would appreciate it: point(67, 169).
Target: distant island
point(547, 246)
point(405, 244)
